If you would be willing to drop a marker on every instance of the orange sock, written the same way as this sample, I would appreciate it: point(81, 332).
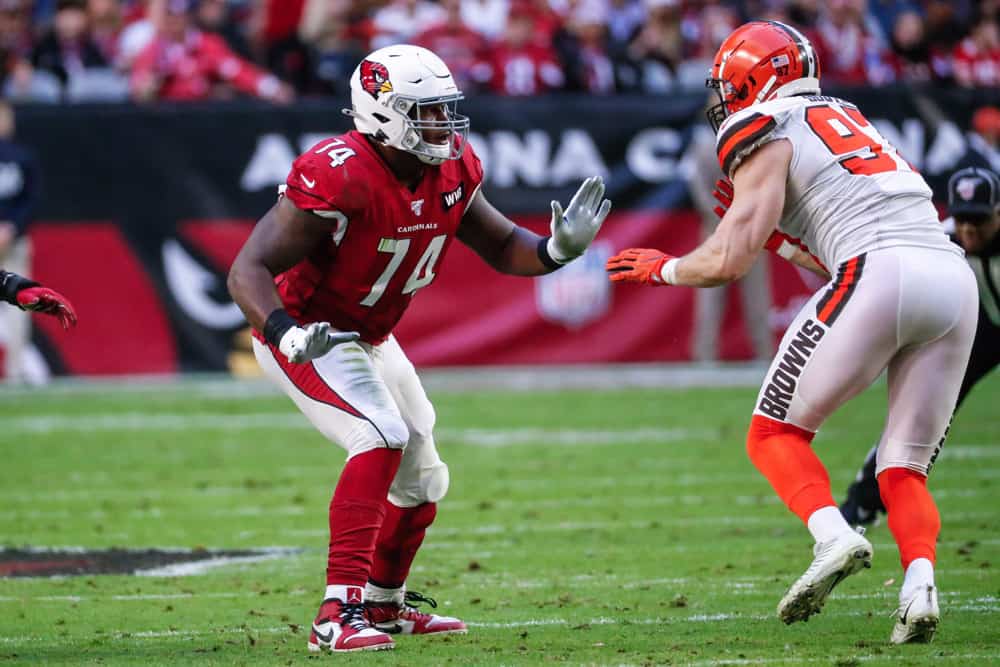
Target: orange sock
point(783, 454)
point(913, 517)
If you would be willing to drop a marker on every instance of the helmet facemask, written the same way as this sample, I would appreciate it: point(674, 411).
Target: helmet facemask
point(404, 96)
point(728, 95)
point(455, 124)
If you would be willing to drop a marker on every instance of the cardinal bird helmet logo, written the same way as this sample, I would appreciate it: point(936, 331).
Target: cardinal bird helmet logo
point(375, 78)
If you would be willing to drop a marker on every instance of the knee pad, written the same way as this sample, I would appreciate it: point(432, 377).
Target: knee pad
point(914, 456)
point(427, 485)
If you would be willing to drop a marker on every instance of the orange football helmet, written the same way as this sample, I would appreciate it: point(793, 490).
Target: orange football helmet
point(759, 61)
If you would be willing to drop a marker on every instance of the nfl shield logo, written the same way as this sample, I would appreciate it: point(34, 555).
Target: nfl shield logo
point(578, 293)
point(966, 187)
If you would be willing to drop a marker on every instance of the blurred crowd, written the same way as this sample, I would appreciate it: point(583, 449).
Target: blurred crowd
point(277, 50)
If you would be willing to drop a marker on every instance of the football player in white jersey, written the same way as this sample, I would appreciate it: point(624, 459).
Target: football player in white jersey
point(816, 182)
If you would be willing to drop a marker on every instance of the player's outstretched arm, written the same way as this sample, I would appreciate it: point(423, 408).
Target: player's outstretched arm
point(279, 241)
point(28, 295)
point(780, 244)
point(729, 253)
point(517, 251)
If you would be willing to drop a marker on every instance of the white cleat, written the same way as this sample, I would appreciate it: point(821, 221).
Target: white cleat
point(917, 618)
point(834, 561)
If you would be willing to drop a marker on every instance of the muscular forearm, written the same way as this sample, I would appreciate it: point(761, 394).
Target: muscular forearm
point(722, 258)
point(251, 285)
point(520, 255)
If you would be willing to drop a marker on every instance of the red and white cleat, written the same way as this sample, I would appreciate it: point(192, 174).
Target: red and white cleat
point(399, 616)
point(343, 626)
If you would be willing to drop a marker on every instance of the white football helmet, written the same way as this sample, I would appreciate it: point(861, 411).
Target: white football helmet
point(387, 90)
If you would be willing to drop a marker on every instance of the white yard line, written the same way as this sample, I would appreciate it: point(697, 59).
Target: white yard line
point(522, 623)
point(609, 377)
point(482, 437)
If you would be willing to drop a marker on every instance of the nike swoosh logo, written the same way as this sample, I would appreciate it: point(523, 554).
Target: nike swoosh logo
point(310, 184)
point(326, 639)
point(393, 629)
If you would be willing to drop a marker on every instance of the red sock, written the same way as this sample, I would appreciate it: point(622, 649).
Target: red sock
point(402, 534)
point(782, 453)
point(356, 513)
point(913, 517)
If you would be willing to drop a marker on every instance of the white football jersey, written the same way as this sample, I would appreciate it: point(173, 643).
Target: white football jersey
point(848, 190)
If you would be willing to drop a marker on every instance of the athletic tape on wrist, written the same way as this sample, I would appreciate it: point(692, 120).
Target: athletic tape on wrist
point(669, 271)
point(543, 254)
point(277, 325)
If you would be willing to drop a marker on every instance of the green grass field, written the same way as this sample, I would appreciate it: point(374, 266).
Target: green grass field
point(594, 527)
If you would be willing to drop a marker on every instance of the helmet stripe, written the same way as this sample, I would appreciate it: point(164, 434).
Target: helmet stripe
point(806, 51)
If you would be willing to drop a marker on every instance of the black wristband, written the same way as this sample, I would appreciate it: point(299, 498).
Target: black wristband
point(11, 284)
point(543, 254)
point(278, 323)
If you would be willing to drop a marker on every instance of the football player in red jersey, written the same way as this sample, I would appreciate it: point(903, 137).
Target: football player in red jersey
point(363, 223)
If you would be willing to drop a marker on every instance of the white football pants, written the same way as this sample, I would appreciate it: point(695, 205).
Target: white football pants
point(911, 310)
point(361, 397)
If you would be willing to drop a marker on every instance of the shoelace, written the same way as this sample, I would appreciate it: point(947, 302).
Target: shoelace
point(353, 615)
point(414, 599)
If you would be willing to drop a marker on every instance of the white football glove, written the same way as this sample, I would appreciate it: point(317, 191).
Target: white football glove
point(300, 345)
point(573, 230)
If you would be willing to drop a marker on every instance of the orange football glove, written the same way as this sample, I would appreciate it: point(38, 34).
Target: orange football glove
point(637, 265)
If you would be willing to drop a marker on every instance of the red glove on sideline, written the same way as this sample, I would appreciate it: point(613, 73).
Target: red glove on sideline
point(723, 194)
point(49, 302)
point(637, 265)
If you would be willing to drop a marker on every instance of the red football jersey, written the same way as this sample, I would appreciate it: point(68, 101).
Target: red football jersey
point(388, 240)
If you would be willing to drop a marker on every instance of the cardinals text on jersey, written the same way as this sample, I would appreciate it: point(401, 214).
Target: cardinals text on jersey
point(387, 242)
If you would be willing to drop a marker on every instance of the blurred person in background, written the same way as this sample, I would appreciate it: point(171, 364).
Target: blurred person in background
point(20, 81)
point(977, 57)
point(658, 48)
point(704, 27)
point(521, 64)
point(974, 207)
point(912, 58)
point(464, 50)
point(67, 49)
point(16, 35)
point(589, 64)
point(185, 64)
point(19, 190)
point(487, 17)
point(851, 54)
point(754, 287)
point(363, 222)
point(400, 20)
point(335, 44)
point(215, 16)
point(803, 13)
point(106, 22)
point(984, 140)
